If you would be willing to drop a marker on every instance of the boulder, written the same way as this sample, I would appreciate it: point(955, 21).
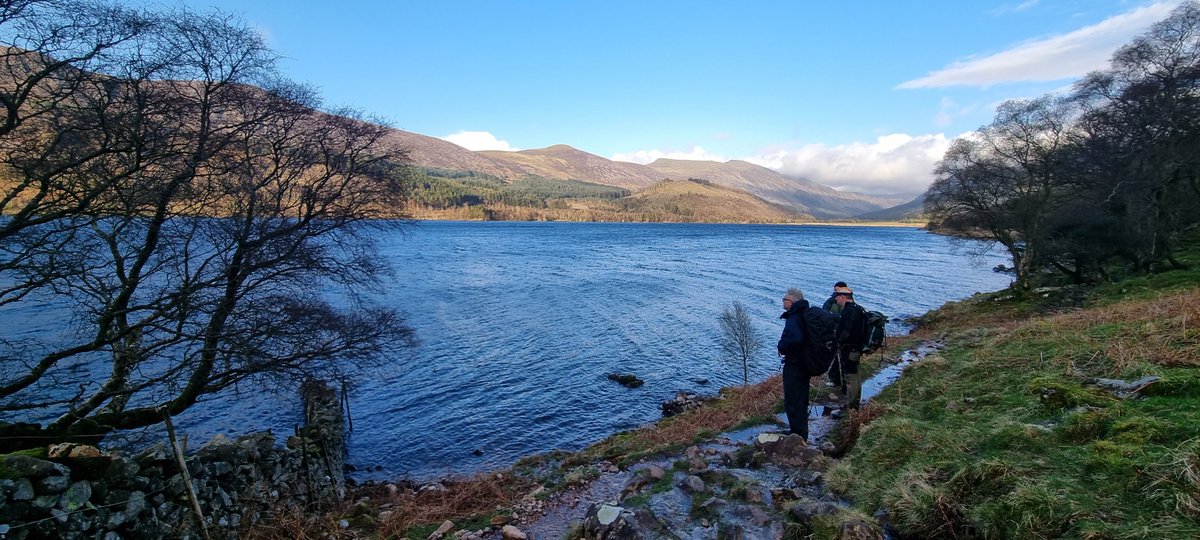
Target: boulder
point(510, 532)
point(611, 523)
point(791, 451)
point(805, 512)
point(22, 466)
point(627, 380)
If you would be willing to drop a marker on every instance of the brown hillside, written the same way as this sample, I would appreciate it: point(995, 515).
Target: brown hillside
point(564, 162)
point(821, 201)
point(702, 201)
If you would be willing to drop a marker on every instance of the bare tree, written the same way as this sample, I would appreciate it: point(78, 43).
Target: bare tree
point(739, 341)
point(1004, 183)
point(217, 227)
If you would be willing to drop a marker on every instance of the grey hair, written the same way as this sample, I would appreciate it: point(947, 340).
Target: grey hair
point(795, 294)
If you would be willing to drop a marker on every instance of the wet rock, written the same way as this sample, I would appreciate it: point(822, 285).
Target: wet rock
point(627, 380)
point(791, 451)
point(23, 466)
point(510, 532)
point(53, 484)
point(633, 486)
point(808, 478)
point(683, 401)
point(781, 495)
point(611, 523)
point(693, 484)
point(22, 490)
point(805, 512)
point(1125, 389)
point(76, 496)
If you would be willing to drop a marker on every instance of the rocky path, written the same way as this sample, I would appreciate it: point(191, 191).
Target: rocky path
point(741, 484)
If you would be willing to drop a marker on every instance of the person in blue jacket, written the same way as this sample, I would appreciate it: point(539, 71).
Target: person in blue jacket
point(791, 349)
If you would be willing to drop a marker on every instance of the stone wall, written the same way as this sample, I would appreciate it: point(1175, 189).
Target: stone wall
point(77, 491)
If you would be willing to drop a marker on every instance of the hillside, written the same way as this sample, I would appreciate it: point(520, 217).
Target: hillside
point(564, 162)
point(913, 210)
point(821, 201)
point(693, 200)
point(441, 194)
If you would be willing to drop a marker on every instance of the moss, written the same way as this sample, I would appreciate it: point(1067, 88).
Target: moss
point(1088, 425)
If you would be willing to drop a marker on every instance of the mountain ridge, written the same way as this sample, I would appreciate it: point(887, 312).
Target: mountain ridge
point(564, 162)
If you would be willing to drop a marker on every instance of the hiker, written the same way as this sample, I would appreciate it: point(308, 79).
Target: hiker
point(831, 305)
point(795, 375)
point(851, 336)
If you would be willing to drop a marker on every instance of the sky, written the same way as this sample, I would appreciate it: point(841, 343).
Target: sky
point(862, 96)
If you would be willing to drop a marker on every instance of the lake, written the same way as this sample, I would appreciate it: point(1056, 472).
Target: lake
point(520, 324)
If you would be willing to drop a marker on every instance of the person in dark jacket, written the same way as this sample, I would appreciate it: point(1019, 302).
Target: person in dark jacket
point(791, 348)
point(831, 305)
point(851, 334)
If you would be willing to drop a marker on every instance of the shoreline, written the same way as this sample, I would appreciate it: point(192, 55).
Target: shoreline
point(892, 224)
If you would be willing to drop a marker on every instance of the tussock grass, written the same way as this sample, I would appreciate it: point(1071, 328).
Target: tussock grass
point(737, 406)
point(469, 502)
point(1003, 435)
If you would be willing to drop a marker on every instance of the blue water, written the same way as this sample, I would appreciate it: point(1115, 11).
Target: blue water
point(520, 323)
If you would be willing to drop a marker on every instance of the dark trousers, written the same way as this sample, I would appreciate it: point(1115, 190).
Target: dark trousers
point(795, 398)
point(848, 357)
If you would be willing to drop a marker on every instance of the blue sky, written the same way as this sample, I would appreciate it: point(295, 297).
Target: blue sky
point(861, 95)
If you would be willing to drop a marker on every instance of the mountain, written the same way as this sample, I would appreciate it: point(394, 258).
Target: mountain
point(821, 201)
point(566, 163)
point(911, 210)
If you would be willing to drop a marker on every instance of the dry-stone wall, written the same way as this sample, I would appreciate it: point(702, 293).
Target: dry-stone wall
point(77, 491)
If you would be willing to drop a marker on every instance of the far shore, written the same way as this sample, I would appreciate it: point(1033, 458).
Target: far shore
point(865, 224)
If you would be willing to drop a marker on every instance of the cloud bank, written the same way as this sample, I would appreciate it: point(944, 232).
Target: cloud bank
point(895, 164)
point(479, 140)
point(1066, 56)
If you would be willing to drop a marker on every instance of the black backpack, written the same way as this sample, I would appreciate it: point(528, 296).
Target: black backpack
point(820, 340)
point(876, 332)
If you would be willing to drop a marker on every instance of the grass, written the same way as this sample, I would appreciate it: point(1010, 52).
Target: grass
point(1003, 436)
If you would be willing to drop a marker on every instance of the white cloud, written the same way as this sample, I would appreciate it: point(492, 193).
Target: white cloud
point(648, 156)
point(896, 163)
point(1051, 59)
point(479, 140)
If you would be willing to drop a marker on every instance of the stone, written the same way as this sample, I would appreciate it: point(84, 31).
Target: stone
point(607, 514)
point(627, 380)
point(54, 484)
point(791, 451)
point(23, 490)
point(1126, 389)
point(23, 466)
point(499, 521)
point(781, 495)
point(693, 484)
point(764, 439)
point(806, 511)
point(76, 496)
point(441, 531)
point(73, 450)
point(655, 472)
point(510, 532)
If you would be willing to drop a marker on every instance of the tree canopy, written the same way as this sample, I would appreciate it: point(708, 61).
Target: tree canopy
point(1106, 174)
point(203, 221)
